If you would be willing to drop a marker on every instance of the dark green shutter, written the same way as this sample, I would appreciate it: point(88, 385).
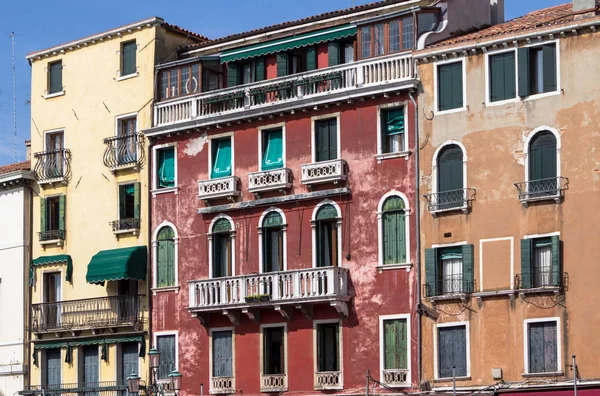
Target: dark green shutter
point(55, 77)
point(526, 260)
point(333, 52)
point(61, 212)
point(232, 75)
point(128, 58)
point(524, 71)
point(137, 198)
point(311, 58)
point(321, 141)
point(468, 276)
point(450, 86)
point(333, 154)
point(282, 64)
point(43, 215)
point(259, 69)
point(556, 274)
point(549, 67)
point(431, 269)
point(510, 76)
point(502, 76)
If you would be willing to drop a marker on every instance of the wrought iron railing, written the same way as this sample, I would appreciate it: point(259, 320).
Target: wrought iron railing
point(448, 200)
point(52, 235)
point(124, 151)
point(125, 224)
point(86, 314)
point(53, 166)
point(553, 187)
point(448, 286)
point(102, 388)
point(540, 278)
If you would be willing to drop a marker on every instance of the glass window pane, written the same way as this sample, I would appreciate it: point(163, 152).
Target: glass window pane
point(395, 36)
point(407, 33)
point(365, 42)
point(378, 39)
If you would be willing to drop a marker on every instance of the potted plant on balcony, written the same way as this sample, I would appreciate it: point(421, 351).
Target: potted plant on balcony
point(258, 298)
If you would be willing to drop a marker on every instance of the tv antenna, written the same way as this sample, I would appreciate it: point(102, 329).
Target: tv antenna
point(14, 81)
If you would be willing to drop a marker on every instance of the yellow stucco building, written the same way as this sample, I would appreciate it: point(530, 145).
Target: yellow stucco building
point(89, 290)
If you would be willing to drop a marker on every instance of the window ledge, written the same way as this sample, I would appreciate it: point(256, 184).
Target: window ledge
point(438, 380)
point(534, 375)
point(541, 290)
point(555, 198)
point(165, 289)
point(328, 387)
point(451, 111)
point(57, 242)
point(502, 102)
point(464, 209)
point(128, 76)
point(134, 231)
point(497, 293)
point(117, 168)
point(542, 95)
point(389, 267)
point(51, 182)
point(54, 95)
point(449, 297)
point(158, 191)
point(399, 154)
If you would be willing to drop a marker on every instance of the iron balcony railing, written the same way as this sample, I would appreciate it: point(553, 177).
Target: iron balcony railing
point(125, 224)
point(103, 388)
point(448, 286)
point(540, 278)
point(86, 314)
point(552, 188)
point(124, 151)
point(52, 235)
point(53, 166)
point(450, 200)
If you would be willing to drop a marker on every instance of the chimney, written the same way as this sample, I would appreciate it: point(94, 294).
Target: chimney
point(584, 8)
point(496, 12)
point(27, 150)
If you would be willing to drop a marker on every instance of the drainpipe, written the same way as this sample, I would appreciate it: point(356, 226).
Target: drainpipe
point(418, 234)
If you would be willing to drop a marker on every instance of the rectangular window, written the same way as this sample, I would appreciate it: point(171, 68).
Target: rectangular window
point(221, 158)
point(222, 264)
point(392, 130)
point(542, 341)
point(165, 171)
point(128, 58)
point(89, 366)
point(166, 346)
point(451, 262)
point(395, 40)
point(537, 69)
point(273, 248)
point(127, 201)
point(540, 262)
point(53, 213)
point(452, 351)
point(450, 86)
point(328, 353)
point(326, 140)
point(449, 270)
point(51, 294)
point(407, 33)
point(126, 148)
point(222, 354)
point(274, 350)
point(212, 76)
point(55, 84)
point(378, 39)
point(365, 42)
point(272, 149)
point(51, 374)
point(502, 76)
point(395, 344)
point(297, 61)
point(247, 72)
point(128, 361)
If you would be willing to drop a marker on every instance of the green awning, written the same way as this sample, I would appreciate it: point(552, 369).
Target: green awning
point(56, 259)
point(288, 43)
point(96, 341)
point(117, 264)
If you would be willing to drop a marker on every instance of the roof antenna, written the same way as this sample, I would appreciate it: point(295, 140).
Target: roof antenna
point(14, 81)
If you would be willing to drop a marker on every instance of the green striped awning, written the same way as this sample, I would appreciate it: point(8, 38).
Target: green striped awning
point(117, 264)
point(56, 259)
point(288, 43)
point(96, 341)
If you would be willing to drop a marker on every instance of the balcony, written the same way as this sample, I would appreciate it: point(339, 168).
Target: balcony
point(449, 288)
point(334, 171)
point(273, 383)
point(272, 180)
point(328, 380)
point(52, 237)
point(278, 290)
point(104, 388)
point(91, 313)
point(452, 200)
point(224, 187)
point(124, 152)
point(342, 82)
point(222, 385)
point(541, 281)
point(542, 190)
point(396, 377)
point(53, 166)
point(123, 226)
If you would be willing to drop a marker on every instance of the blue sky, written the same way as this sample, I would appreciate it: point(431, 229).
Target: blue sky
point(40, 24)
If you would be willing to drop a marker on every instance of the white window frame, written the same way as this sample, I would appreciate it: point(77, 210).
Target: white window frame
point(434, 165)
point(313, 224)
point(121, 77)
point(408, 264)
point(50, 271)
point(261, 130)
point(53, 131)
point(558, 79)
point(382, 319)
point(260, 238)
point(210, 151)
point(175, 287)
point(313, 145)
point(436, 66)
point(405, 151)
point(47, 70)
point(155, 345)
point(527, 143)
point(285, 348)
point(125, 116)
point(488, 77)
point(526, 324)
point(435, 347)
point(340, 349)
point(155, 190)
point(210, 355)
point(210, 244)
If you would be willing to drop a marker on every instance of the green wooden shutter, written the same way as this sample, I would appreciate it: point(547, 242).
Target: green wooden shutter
point(128, 58)
point(321, 141)
point(497, 78)
point(61, 212)
point(526, 261)
point(549, 67)
point(233, 77)
point(43, 215)
point(509, 76)
point(259, 69)
point(450, 87)
point(524, 71)
point(556, 276)
point(282, 64)
point(457, 85)
point(137, 192)
point(333, 154)
point(311, 58)
point(333, 52)
point(468, 275)
point(431, 269)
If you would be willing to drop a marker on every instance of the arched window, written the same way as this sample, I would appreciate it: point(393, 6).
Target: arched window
point(165, 261)
point(450, 177)
point(222, 246)
point(273, 243)
point(393, 231)
point(326, 224)
point(542, 165)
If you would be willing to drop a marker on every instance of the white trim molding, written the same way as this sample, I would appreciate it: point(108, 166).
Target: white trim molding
point(260, 227)
point(380, 261)
point(526, 324)
point(210, 243)
point(313, 224)
point(466, 325)
point(382, 319)
point(155, 190)
point(158, 228)
point(436, 66)
point(488, 76)
point(313, 145)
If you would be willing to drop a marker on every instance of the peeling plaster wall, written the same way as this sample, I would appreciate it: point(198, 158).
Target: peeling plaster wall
point(494, 138)
point(390, 292)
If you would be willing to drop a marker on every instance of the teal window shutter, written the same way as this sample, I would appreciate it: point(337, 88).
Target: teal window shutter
point(311, 58)
point(333, 53)
point(221, 158)
point(526, 261)
point(450, 86)
point(62, 212)
point(137, 194)
point(233, 75)
point(524, 71)
point(549, 67)
point(468, 274)
point(431, 272)
point(43, 215)
point(282, 64)
point(259, 69)
point(394, 121)
point(128, 58)
point(556, 276)
point(272, 149)
point(394, 229)
point(166, 168)
point(55, 84)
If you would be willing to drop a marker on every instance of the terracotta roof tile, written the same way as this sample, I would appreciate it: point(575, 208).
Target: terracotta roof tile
point(188, 32)
point(17, 166)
